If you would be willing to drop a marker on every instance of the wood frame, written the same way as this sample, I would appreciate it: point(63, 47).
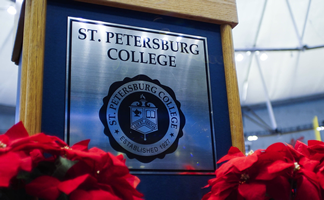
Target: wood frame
point(211, 11)
point(233, 99)
point(31, 86)
point(221, 12)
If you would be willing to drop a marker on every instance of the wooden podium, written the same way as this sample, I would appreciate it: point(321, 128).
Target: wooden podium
point(41, 49)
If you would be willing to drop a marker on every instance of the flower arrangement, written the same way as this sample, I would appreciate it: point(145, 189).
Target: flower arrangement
point(280, 172)
point(44, 166)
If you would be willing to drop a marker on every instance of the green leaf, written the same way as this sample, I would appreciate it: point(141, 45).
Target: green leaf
point(29, 176)
point(23, 175)
point(62, 166)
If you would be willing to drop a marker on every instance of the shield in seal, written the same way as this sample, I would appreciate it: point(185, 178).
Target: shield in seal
point(142, 118)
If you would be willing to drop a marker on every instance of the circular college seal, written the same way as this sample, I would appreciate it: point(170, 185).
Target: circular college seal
point(142, 118)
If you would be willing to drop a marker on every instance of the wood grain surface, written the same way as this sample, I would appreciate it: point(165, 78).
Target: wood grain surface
point(233, 98)
point(32, 65)
point(211, 11)
point(24, 64)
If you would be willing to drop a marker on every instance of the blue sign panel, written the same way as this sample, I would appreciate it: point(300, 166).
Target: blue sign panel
point(171, 114)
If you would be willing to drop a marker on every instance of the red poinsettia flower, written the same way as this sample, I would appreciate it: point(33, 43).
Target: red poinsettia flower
point(304, 173)
point(13, 161)
point(106, 180)
point(109, 171)
point(316, 150)
point(251, 177)
point(45, 187)
point(93, 195)
point(236, 160)
point(230, 176)
point(79, 151)
point(17, 139)
point(16, 134)
point(316, 146)
point(97, 174)
point(82, 187)
point(315, 157)
point(10, 164)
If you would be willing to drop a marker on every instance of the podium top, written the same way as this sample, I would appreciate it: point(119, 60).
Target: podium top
point(211, 11)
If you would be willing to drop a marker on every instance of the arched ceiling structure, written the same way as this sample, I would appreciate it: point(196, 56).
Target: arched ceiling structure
point(8, 70)
point(279, 43)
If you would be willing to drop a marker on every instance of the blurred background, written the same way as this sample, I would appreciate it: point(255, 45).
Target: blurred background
point(279, 53)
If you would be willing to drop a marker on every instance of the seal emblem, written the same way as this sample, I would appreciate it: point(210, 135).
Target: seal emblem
point(142, 118)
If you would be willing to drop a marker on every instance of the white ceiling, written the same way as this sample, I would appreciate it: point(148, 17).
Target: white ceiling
point(8, 70)
point(280, 34)
point(265, 27)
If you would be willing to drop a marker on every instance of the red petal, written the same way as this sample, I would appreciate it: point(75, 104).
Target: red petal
point(94, 154)
point(111, 166)
point(277, 147)
point(80, 195)
point(80, 168)
point(233, 152)
point(243, 163)
point(43, 138)
point(234, 195)
point(106, 187)
point(117, 161)
point(121, 158)
point(103, 195)
point(302, 148)
point(227, 168)
point(238, 164)
point(306, 190)
point(311, 176)
point(58, 140)
point(296, 154)
point(10, 163)
point(39, 141)
point(68, 186)
point(132, 180)
point(123, 189)
point(26, 164)
point(5, 140)
point(224, 187)
point(81, 155)
point(211, 182)
point(252, 191)
point(82, 145)
point(321, 179)
point(96, 150)
point(44, 187)
point(278, 151)
point(206, 196)
point(36, 156)
point(317, 156)
point(315, 142)
point(274, 169)
point(279, 188)
point(308, 164)
point(17, 131)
